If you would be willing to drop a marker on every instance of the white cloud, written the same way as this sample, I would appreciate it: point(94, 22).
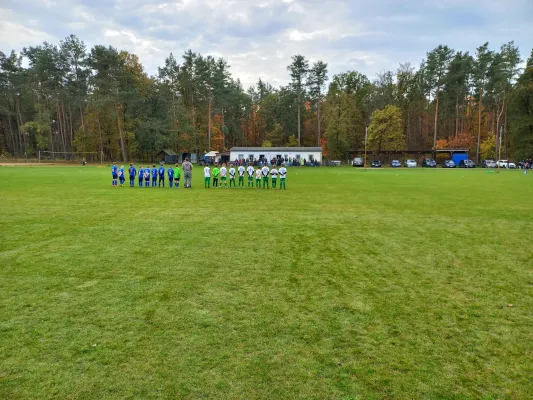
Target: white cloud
point(16, 34)
point(398, 18)
point(49, 3)
point(259, 38)
point(297, 36)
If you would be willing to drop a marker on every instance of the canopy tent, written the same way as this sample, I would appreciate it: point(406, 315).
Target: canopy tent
point(212, 154)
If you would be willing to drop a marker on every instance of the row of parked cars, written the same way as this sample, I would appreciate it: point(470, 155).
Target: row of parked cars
point(430, 163)
point(426, 162)
point(358, 162)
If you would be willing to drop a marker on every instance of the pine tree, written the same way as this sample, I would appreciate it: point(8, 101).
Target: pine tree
point(298, 70)
point(521, 133)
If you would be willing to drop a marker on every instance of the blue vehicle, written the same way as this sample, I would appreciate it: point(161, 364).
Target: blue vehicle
point(208, 158)
point(458, 157)
point(204, 160)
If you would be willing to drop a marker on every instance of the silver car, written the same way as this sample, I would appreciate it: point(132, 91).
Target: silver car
point(506, 164)
point(489, 164)
point(410, 164)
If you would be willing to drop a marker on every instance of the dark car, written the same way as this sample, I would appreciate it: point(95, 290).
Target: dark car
point(448, 164)
point(467, 164)
point(358, 162)
point(376, 164)
point(395, 164)
point(429, 163)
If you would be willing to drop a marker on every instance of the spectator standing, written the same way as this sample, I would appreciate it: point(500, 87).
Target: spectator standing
point(187, 173)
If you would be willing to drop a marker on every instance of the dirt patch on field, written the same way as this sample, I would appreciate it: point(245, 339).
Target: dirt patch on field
point(16, 164)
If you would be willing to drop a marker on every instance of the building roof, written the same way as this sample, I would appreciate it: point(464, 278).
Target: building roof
point(452, 150)
point(277, 149)
point(168, 152)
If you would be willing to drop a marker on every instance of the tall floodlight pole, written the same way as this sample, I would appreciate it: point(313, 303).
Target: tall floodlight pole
point(500, 147)
point(366, 140)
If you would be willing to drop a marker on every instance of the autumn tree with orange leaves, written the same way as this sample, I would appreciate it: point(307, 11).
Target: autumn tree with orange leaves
point(65, 97)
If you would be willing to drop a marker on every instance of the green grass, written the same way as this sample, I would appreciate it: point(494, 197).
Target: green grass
point(390, 284)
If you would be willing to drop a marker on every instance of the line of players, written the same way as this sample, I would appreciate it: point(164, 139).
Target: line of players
point(157, 175)
point(220, 176)
point(174, 175)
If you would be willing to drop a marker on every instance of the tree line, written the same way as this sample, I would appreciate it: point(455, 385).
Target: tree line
point(67, 98)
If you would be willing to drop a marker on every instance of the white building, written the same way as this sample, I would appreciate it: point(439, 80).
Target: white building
point(256, 153)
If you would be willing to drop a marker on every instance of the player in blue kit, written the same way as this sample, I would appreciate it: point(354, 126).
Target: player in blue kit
point(161, 175)
point(154, 176)
point(170, 176)
point(147, 176)
point(141, 173)
point(121, 176)
point(132, 172)
point(114, 173)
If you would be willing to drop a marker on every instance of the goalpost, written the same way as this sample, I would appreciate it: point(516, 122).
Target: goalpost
point(71, 156)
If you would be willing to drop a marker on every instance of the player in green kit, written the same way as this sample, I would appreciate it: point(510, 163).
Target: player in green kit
point(223, 173)
point(216, 173)
point(266, 171)
point(177, 176)
point(251, 172)
point(258, 176)
point(274, 175)
point(207, 177)
point(282, 177)
point(231, 175)
point(241, 176)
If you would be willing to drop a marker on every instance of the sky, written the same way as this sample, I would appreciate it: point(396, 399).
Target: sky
point(258, 37)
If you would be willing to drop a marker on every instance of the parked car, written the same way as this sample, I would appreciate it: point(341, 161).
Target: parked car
point(358, 162)
point(376, 164)
point(448, 164)
point(429, 163)
point(395, 164)
point(506, 164)
point(410, 164)
point(489, 164)
point(467, 164)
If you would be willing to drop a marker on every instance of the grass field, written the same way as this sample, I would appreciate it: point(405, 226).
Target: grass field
point(389, 284)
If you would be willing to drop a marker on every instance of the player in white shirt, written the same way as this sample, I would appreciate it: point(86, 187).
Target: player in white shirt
point(258, 176)
point(282, 177)
point(207, 177)
point(223, 172)
point(251, 172)
point(231, 175)
point(241, 176)
point(274, 174)
point(265, 172)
